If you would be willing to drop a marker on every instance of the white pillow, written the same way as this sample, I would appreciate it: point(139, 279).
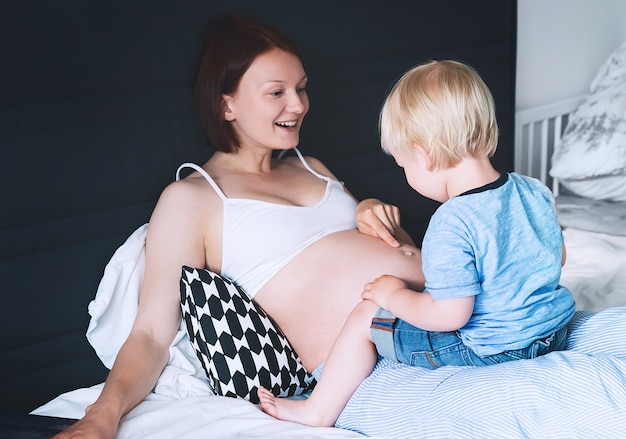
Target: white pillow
point(594, 142)
point(608, 187)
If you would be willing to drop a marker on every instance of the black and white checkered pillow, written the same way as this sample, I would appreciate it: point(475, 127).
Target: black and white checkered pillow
point(238, 345)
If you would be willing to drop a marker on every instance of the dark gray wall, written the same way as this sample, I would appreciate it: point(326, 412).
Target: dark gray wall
point(96, 114)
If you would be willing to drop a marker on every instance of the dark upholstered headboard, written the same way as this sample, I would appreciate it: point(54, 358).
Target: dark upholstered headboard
point(96, 114)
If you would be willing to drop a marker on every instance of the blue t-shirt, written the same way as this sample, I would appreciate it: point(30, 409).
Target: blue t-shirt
point(502, 244)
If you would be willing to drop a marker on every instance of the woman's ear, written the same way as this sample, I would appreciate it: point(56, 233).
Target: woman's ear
point(227, 100)
point(422, 156)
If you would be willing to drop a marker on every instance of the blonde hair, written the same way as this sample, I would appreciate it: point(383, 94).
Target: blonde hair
point(443, 106)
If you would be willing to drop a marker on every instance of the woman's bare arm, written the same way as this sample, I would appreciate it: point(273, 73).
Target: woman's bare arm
point(174, 238)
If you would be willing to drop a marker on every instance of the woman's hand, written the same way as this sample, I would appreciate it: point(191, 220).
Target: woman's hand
point(380, 220)
point(93, 426)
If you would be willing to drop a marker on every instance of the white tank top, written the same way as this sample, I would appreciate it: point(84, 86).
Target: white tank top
point(260, 237)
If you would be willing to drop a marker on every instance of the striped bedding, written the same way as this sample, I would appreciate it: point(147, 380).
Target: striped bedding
point(580, 393)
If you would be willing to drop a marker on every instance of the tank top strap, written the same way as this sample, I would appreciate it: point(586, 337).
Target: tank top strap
point(208, 178)
point(306, 165)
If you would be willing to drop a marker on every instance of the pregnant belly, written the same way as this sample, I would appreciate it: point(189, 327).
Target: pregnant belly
point(348, 258)
point(312, 296)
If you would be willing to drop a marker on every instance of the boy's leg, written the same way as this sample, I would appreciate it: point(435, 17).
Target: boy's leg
point(428, 349)
point(351, 360)
point(432, 350)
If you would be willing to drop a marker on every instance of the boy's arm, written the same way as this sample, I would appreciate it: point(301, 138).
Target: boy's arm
point(419, 309)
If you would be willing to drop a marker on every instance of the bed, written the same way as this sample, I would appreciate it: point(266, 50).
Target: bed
point(577, 147)
point(182, 405)
point(112, 111)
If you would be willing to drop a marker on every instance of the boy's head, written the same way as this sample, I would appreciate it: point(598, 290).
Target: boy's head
point(444, 107)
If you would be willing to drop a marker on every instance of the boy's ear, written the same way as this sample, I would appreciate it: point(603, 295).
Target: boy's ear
point(423, 156)
point(228, 113)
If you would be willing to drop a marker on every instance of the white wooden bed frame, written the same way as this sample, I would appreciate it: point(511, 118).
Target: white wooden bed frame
point(595, 271)
point(538, 133)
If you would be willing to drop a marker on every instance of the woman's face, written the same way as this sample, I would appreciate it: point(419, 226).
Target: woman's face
point(268, 106)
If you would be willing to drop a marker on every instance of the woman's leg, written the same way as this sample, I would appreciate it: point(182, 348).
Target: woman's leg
point(350, 361)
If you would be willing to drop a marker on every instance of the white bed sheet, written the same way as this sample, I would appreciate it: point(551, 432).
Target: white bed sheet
point(193, 417)
point(595, 270)
point(579, 393)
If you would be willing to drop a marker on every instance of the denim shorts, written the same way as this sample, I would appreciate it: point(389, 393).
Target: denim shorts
point(399, 341)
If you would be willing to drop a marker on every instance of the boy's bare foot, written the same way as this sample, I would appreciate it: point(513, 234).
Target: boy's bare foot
point(268, 400)
point(290, 410)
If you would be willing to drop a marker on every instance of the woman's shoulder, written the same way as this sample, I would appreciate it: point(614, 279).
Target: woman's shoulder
point(189, 193)
point(189, 186)
point(186, 215)
point(313, 162)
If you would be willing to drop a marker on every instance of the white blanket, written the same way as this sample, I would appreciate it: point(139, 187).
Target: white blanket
point(181, 404)
point(579, 393)
point(595, 270)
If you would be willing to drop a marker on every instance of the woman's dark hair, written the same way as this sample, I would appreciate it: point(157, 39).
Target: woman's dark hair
point(233, 46)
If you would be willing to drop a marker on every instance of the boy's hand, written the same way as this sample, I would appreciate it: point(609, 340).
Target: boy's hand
point(380, 289)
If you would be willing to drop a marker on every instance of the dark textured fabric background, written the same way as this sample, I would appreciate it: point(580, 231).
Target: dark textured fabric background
point(96, 114)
